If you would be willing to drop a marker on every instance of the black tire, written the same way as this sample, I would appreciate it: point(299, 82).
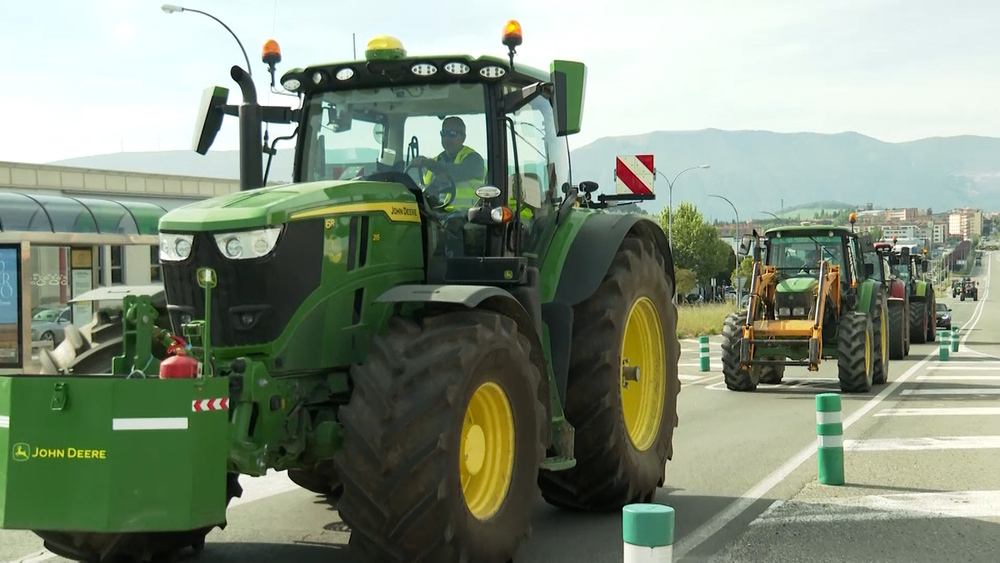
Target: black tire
point(736, 378)
point(897, 330)
point(134, 546)
point(931, 312)
point(321, 479)
point(400, 465)
point(772, 374)
point(855, 352)
point(918, 322)
point(611, 470)
point(880, 339)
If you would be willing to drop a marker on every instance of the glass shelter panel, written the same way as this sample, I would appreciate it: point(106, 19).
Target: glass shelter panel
point(67, 214)
point(19, 212)
point(112, 217)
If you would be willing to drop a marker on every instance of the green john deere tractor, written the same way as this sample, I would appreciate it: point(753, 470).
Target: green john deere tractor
point(910, 267)
point(812, 297)
point(433, 358)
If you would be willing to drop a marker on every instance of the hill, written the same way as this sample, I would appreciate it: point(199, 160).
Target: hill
point(783, 173)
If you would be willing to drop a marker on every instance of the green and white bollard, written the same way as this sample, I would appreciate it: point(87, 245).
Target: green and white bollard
point(954, 339)
point(943, 349)
point(703, 351)
point(648, 533)
point(830, 431)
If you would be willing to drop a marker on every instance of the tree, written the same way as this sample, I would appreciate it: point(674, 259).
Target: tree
point(685, 280)
point(696, 243)
point(745, 269)
point(876, 232)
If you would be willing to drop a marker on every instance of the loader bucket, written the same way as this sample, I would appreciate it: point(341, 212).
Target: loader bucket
point(110, 454)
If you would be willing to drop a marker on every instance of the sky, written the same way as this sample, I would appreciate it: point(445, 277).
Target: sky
point(102, 76)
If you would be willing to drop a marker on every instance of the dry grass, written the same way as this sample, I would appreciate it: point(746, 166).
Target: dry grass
point(702, 319)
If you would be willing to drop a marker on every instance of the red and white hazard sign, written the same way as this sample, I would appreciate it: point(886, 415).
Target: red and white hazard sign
point(634, 174)
point(204, 405)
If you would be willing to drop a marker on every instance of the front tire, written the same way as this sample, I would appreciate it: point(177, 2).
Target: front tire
point(854, 352)
point(897, 330)
point(918, 321)
point(624, 427)
point(736, 378)
point(321, 479)
point(880, 336)
point(442, 441)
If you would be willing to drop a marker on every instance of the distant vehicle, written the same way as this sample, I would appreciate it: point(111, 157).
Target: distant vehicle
point(943, 313)
point(970, 290)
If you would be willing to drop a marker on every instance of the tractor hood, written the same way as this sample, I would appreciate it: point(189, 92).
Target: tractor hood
point(276, 205)
point(798, 285)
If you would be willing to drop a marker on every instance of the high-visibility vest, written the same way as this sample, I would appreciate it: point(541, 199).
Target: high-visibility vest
point(465, 192)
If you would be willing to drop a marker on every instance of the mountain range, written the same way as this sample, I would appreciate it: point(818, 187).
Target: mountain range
point(794, 174)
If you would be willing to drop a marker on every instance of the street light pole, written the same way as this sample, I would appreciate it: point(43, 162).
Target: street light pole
point(670, 203)
point(736, 273)
point(171, 8)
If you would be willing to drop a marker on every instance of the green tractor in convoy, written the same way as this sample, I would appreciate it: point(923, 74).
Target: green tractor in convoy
point(910, 268)
point(435, 364)
point(812, 298)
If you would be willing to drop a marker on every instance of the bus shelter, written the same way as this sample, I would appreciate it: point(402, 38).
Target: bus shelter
point(53, 248)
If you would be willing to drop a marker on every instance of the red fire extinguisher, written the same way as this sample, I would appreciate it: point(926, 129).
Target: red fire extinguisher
point(179, 365)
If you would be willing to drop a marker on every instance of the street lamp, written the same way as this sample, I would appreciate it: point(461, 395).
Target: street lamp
point(171, 8)
point(771, 214)
point(736, 274)
point(670, 203)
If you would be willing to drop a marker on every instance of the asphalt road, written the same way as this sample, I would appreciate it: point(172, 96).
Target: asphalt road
point(922, 479)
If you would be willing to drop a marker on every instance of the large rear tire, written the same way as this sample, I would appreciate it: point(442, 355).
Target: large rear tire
point(855, 352)
point(736, 378)
point(897, 330)
point(624, 417)
point(443, 439)
point(133, 547)
point(931, 312)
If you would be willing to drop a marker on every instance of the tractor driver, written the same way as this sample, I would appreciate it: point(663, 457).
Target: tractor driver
point(459, 163)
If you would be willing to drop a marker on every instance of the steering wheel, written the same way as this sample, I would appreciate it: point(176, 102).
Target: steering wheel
point(434, 191)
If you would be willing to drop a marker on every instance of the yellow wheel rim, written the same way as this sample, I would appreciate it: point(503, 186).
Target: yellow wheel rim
point(885, 337)
point(643, 374)
point(868, 353)
point(486, 460)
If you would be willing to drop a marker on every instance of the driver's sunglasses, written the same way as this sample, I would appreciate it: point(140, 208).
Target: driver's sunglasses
point(450, 133)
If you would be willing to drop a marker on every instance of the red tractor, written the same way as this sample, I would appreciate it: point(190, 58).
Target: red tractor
point(898, 305)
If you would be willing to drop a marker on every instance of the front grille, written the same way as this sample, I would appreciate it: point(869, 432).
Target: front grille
point(266, 291)
point(794, 305)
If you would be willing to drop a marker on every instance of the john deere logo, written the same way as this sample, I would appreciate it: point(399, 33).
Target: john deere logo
point(21, 452)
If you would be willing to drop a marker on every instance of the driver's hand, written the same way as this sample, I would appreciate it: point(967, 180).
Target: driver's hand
point(419, 161)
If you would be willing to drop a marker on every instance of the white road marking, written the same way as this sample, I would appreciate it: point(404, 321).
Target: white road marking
point(926, 443)
point(963, 368)
point(958, 504)
point(973, 391)
point(755, 493)
point(4, 421)
point(932, 378)
point(178, 423)
point(737, 507)
point(941, 411)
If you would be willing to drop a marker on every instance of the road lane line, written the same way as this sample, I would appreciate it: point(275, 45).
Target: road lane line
point(747, 499)
point(933, 378)
point(740, 505)
point(957, 504)
point(971, 391)
point(941, 411)
point(920, 444)
point(935, 367)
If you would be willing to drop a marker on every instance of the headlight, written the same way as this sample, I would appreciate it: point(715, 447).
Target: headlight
point(174, 248)
point(248, 244)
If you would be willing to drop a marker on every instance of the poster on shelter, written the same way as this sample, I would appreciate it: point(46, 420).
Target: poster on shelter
point(10, 301)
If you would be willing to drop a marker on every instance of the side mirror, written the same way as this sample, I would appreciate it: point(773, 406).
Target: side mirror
point(588, 186)
point(378, 132)
point(746, 242)
point(211, 112)
point(870, 270)
point(569, 83)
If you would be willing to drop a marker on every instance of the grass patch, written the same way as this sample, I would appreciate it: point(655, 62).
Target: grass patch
point(702, 319)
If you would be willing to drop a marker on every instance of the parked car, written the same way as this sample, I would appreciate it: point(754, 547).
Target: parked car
point(50, 324)
point(943, 316)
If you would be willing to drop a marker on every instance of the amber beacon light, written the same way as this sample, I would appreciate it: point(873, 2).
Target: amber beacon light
point(512, 34)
